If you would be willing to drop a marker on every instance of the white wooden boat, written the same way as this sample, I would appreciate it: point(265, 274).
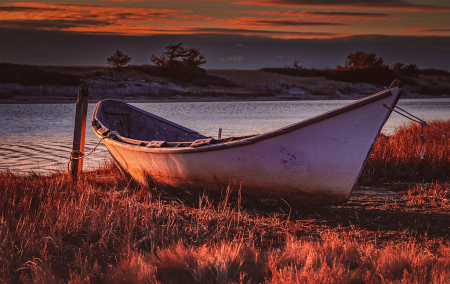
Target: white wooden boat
point(315, 161)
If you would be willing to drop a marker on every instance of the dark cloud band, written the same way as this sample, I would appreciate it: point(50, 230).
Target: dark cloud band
point(349, 4)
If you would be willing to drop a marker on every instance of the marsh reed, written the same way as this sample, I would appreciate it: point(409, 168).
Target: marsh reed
point(107, 229)
point(397, 157)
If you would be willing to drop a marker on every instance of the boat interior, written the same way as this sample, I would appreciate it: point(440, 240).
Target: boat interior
point(131, 125)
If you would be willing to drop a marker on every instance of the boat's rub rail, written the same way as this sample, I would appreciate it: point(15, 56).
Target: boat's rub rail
point(194, 144)
point(104, 131)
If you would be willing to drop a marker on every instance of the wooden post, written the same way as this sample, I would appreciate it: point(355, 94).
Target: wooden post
point(219, 133)
point(79, 131)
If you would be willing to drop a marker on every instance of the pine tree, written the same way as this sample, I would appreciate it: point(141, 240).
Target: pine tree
point(118, 60)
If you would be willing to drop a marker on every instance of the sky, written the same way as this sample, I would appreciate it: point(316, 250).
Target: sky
point(239, 34)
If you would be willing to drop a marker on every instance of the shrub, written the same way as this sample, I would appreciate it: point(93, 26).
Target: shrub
point(177, 55)
point(118, 60)
point(410, 70)
point(294, 65)
point(397, 66)
point(179, 62)
point(361, 60)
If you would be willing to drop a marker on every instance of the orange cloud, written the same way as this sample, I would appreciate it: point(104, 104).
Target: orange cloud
point(145, 30)
point(149, 21)
point(144, 21)
point(394, 5)
point(71, 12)
point(328, 16)
point(267, 33)
point(94, 19)
point(275, 23)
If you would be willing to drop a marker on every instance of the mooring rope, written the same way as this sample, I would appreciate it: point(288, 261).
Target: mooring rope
point(417, 120)
point(420, 121)
point(79, 152)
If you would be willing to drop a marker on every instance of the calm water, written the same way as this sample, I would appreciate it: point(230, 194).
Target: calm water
point(39, 136)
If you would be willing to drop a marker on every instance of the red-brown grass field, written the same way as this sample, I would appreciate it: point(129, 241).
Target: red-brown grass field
point(107, 229)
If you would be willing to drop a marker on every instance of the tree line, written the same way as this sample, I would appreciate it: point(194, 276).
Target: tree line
point(174, 56)
point(364, 60)
point(184, 64)
point(178, 59)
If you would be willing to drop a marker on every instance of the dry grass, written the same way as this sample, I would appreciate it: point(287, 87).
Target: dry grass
point(335, 260)
point(435, 195)
point(397, 157)
point(106, 229)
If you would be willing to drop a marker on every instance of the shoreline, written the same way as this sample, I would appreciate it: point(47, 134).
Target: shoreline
point(224, 85)
point(249, 86)
point(205, 100)
point(190, 97)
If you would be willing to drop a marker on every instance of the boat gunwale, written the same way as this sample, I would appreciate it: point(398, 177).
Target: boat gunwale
point(295, 126)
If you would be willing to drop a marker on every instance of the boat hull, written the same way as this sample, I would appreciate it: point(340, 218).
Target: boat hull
point(317, 161)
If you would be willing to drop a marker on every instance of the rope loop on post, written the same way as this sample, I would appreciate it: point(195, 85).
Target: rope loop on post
point(80, 154)
point(75, 152)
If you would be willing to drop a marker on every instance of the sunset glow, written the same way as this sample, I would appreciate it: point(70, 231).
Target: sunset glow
point(267, 18)
point(260, 33)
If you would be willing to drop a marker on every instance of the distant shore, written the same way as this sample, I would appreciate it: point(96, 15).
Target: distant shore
point(247, 85)
point(18, 94)
point(30, 97)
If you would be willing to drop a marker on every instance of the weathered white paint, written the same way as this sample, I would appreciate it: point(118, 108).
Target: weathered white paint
point(316, 161)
